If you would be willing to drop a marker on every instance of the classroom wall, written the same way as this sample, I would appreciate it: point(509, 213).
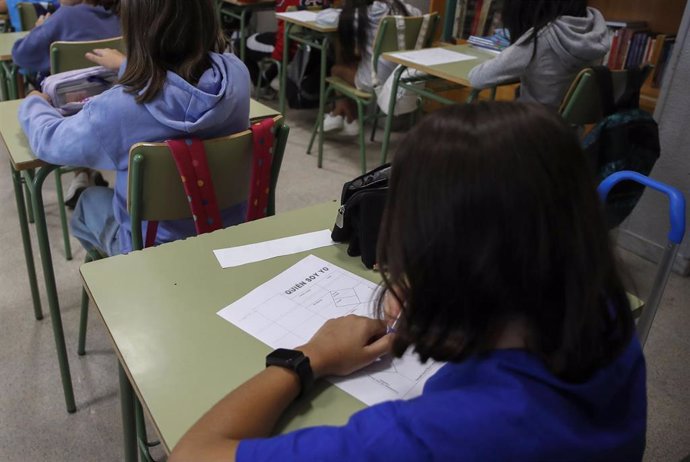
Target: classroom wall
point(645, 232)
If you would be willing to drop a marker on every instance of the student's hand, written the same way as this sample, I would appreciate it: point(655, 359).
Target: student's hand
point(38, 93)
point(106, 57)
point(41, 19)
point(345, 345)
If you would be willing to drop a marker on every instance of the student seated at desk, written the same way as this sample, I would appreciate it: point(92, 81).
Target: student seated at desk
point(175, 83)
point(495, 258)
point(43, 7)
point(552, 40)
point(357, 28)
point(76, 20)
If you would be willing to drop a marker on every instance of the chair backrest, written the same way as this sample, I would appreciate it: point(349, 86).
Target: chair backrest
point(387, 34)
point(27, 15)
point(156, 192)
point(68, 56)
point(582, 103)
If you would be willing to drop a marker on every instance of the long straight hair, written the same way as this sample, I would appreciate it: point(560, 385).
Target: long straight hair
point(492, 217)
point(354, 38)
point(167, 35)
point(519, 16)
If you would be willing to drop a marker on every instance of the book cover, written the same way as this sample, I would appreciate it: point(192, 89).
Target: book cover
point(477, 16)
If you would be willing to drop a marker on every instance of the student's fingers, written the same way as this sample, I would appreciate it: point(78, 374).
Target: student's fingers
point(380, 347)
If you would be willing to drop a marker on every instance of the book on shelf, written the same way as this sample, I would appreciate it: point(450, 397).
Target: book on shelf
point(633, 45)
point(476, 17)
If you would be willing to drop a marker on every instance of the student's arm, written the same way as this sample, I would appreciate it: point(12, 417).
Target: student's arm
point(340, 347)
point(507, 67)
point(73, 140)
point(33, 51)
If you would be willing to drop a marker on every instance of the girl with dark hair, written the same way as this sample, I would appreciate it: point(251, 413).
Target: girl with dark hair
point(495, 258)
point(552, 40)
point(176, 82)
point(357, 27)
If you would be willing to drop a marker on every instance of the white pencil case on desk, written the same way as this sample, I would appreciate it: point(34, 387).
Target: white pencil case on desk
point(69, 91)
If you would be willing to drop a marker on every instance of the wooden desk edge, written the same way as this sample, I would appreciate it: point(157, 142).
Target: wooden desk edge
point(312, 25)
point(431, 70)
point(19, 166)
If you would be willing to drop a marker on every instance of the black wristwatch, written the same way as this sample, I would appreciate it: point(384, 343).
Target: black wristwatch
point(295, 361)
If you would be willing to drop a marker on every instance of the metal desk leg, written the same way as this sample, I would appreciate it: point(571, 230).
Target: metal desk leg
point(35, 188)
point(283, 68)
point(391, 111)
point(243, 31)
point(27, 194)
point(322, 95)
point(26, 242)
point(4, 96)
point(128, 421)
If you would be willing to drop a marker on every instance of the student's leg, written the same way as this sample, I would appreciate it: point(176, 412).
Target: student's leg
point(344, 106)
point(93, 221)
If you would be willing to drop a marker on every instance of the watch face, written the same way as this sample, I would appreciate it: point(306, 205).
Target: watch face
point(284, 355)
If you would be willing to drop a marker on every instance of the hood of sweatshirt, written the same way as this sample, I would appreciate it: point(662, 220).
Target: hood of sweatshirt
point(192, 109)
point(578, 40)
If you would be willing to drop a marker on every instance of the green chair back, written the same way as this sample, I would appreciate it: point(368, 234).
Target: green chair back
point(27, 15)
point(68, 56)
point(156, 192)
point(582, 103)
point(387, 34)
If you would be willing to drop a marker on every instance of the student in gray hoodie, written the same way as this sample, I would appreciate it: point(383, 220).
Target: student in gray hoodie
point(552, 40)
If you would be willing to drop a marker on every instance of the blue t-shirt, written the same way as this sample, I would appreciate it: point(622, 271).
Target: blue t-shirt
point(503, 406)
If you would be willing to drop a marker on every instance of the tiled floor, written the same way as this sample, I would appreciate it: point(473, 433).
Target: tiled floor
point(35, 426)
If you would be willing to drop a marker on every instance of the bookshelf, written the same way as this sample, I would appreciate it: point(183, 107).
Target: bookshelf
point(660, 19)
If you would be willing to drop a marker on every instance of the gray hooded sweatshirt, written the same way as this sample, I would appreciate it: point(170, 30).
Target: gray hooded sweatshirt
point(564, 47)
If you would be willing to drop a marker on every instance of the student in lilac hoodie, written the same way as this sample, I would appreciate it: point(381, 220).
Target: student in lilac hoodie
point(176, 82)
point(76, 20)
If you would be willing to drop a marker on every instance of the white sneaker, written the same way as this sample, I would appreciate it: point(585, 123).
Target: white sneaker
point(332, 123)
point(351, 128)
point(80, 182)
point(275, 83)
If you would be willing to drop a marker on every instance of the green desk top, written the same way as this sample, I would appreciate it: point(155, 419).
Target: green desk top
point(13, 142)
point(457, 72)
point(159, 306)
point(15, 146)
point(6, 42)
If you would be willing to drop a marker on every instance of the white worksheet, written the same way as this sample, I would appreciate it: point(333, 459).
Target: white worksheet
point(287, 310)
point(302, 15)
point(243, 254)
point(434, 56)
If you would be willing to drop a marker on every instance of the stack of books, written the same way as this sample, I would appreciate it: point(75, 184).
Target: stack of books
point(632, 45)
point(476, 17)
point(497, 42)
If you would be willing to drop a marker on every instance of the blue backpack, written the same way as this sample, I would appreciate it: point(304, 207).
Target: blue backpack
point(626, 139)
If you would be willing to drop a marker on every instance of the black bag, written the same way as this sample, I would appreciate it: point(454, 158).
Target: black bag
point(359, 216)
point(627, 139)
point(303, 75)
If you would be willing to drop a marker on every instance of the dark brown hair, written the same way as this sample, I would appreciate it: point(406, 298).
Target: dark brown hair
point(519, 16)
point(110, 5)
point(167, 35)
point(492, 216)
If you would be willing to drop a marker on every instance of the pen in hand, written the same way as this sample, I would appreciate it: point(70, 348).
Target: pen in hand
point(393, 328)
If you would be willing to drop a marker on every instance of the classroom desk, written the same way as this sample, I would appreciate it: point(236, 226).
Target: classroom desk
point(175, 353)
point(8, 71)
point(240, 9)
point(457, 73)
point(311, 34)
point(179, 356)
point(23, 163)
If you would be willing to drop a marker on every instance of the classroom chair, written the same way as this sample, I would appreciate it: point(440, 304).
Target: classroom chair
point(386, 41)
point(68, 56)
point(27, 15)
point(156, 194)
point(582, 103)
